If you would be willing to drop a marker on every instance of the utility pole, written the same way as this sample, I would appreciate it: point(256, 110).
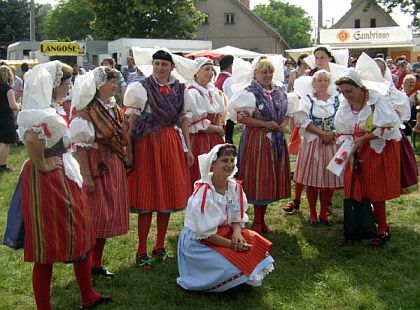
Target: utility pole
point(32, 21)
point(319, 22)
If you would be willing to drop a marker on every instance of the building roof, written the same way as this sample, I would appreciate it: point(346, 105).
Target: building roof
point(259, 21)
point(356, 6)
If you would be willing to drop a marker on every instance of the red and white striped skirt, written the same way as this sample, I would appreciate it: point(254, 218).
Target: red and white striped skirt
point(312, 162)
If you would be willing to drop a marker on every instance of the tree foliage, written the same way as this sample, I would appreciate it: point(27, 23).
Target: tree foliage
point(70, 19)
point(291, 21)
point(176, 19)
point(411, 7)
point(14, 22)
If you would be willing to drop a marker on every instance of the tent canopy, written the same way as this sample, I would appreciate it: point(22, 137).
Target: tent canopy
point(204, 53)
point(237, 52)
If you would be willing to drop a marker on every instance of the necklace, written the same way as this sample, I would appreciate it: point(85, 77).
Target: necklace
point(355, 112)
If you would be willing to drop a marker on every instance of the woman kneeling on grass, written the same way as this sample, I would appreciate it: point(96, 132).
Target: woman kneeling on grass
point(215, 252)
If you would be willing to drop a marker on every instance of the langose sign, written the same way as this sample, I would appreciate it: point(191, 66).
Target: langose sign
point(63, 48)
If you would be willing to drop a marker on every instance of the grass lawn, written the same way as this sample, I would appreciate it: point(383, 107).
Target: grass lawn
point(311, 271)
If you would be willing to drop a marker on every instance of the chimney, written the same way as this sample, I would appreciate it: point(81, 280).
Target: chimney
point(246, 3)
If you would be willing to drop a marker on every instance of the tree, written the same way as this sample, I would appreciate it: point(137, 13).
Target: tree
point(176, 19)
point(69, 20)
point(14, 22)
point(291, 21)
point(411, 7)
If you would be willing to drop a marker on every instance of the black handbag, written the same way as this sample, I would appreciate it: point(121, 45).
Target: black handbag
point(359, 221)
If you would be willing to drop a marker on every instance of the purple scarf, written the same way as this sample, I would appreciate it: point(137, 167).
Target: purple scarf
point(165, 109)
point(271, 110)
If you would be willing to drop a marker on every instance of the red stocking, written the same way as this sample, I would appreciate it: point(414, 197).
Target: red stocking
point(298, 192)
point(144, 222)
point(41, 284)
point(312, 195)
point(162, 227)
point(97, 253)
point(380, 216)
point(82, 270)
point(325, 197)
point(259, 221)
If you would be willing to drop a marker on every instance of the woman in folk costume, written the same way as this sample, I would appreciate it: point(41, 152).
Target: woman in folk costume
point(315, 118)
point(56, 216)
point(334, 62)
point(160, 182)
point(215, 251)
point(206, 129)
point(367, 118)
point(263, 158)
point(100, 135)
point(401, 103)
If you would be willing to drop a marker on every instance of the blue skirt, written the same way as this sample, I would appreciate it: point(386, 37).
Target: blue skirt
point(203, 269)
point(15, 233)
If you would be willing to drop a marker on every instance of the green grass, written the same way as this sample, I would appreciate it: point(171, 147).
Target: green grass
point(311, 272)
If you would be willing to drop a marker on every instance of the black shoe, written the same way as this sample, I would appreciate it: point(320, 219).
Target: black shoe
point(102, 300)
point(326, 223)
point(5, 168)
point(101, 271)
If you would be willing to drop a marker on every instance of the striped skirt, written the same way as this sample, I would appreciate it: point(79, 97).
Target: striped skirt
point(56, 217)
point(202, 143)
point(265, 174)
point(380, 174)
point(160, 180)
point(109, 200)
point(312, 162)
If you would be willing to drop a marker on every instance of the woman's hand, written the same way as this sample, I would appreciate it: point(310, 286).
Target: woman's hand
point(89, 184)
point(328, 137)
point(272, 126)
point(220, 131)
point(51, 163)
point(239, 243)
point(190, 158)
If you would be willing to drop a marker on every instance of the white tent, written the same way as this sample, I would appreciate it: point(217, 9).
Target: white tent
point(237, 52)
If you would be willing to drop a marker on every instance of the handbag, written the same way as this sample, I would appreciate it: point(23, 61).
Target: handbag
point(359, 221)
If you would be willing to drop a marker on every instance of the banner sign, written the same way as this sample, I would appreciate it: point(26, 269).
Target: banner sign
point(366, 35)
point(63, 48)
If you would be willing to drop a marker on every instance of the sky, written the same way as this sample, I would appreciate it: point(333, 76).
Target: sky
point(333, 10)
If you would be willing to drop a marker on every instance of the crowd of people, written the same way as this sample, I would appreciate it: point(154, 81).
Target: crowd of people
point(120, 142)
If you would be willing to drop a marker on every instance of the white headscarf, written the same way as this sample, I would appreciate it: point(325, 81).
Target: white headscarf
point(206, 160)
point(86, 85)
point(367, 74)
point(243, 71)
point(184, 68)
point(341, 56)
point(37, 113)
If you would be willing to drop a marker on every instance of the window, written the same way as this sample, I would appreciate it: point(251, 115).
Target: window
point(206, 19)
point(373, 23)
point(357, 23)
point(229, 18)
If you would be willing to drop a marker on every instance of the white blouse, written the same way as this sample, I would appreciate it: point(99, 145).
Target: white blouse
point(245, 101)
point(321, 109)
point(385, 121)
point(83, 131)
point(135, 99)
point(206, 100)
point(218, 209)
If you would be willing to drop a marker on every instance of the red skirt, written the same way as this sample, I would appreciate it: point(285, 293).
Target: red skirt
point(58, 224)
point(109, 200)
point(265, 174)
point(295, 140)
point(248, 260)
point(380, 174)
point(202, 143)
point(160, 180)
